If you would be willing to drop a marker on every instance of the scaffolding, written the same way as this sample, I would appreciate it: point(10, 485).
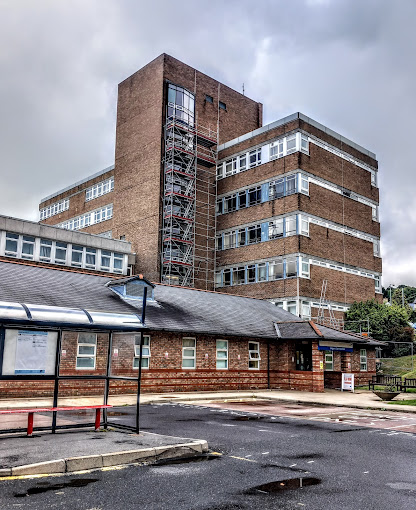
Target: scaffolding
point(189, 192)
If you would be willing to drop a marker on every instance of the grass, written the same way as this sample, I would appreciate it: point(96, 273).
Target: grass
point(400, 366)
point(403, 402)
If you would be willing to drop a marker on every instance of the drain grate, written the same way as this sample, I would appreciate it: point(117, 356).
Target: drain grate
point(284, 485)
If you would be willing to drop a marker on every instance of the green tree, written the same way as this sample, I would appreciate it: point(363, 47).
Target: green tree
point(387, 323)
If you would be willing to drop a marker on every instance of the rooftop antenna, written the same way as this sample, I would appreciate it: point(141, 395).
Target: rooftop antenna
point(243, 89)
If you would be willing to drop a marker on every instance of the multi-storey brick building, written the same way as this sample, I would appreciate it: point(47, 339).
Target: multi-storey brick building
point(211, 199)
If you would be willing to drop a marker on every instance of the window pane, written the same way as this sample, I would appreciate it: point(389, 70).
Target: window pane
point(222, 344)
point(188, 342)
point(86, 349)
point(85, 362)
point(188, 363)
point(222, 363)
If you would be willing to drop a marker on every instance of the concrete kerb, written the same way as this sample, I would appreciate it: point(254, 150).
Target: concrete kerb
point(73, 464)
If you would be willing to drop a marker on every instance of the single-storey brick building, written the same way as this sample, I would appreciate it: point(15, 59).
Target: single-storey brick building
point(193, 339)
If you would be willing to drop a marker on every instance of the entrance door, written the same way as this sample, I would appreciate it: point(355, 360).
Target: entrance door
point(304, 355)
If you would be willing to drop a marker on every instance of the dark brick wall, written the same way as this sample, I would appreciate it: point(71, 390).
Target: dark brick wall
point(165, 373)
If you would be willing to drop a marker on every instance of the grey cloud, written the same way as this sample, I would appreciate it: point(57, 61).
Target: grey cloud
point(347, 64)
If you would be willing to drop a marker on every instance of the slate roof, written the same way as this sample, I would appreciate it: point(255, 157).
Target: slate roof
point(174, 309)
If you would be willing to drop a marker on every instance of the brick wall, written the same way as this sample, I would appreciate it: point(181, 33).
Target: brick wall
point(167, 375)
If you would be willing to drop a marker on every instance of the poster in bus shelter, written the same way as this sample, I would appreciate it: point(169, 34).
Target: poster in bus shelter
point(31, 352)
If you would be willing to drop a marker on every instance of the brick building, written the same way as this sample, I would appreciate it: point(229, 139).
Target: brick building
point(209, 198)
point(194, 339)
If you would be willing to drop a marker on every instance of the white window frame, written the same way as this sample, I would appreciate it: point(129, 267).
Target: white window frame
point(363, 360)
point(145, 356)
point(193, 357)
point(99, 189)
point(254, 355)
point(82, 356)
point(329, 360)
point(221, 350)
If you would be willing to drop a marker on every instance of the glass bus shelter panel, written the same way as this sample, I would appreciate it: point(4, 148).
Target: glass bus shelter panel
point(124, 354)
point(29, 352)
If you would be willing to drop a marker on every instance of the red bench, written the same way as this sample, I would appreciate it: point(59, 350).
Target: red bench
point(53, 409)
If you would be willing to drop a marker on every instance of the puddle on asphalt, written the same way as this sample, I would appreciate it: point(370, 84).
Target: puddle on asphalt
point(185, 460)
point(46, 486)
point(307, 456)
point(284, 485)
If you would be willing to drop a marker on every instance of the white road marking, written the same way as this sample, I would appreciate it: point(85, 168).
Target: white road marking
point(265, 453)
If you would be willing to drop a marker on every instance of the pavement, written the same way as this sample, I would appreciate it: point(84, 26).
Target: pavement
point(72, 451)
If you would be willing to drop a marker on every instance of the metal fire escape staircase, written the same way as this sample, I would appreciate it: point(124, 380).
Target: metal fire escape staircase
point(187, 149)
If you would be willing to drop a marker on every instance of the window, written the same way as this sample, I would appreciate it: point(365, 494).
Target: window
point(255, 157)
point(145, 351)
point(105, 260)
point(218, 282)
point(76, 259)
point(376, 248)
point(181, 104)
point(291, 268)
point(363, 360)
point(220, 169)
point(304, 144)
point(11, 244)
point(86, 351)
point(276, 149)
point(254, 355)
point(304, 184)
point(209, 99)
point(305, 269)
point(99, 189)
point(188, 353)
point(304, 226)
point(242, 199)
point(329, 360)
point(222, 354)
point(230, 167)
point(241, 237)
point(222, 105)
point(219, 242)
point(103, 214)
point(118, 262)
point(290, 144)
point(254, 196)
point(290, 226)
point(56, 208)
point(262, 272)
point(227, 277)
point(276, 229)
point(277, 189)
point(292, 307)
point(242, 162)
point(306, 310)
point(60, 252)
point(254, 234)
point(90, 258)
point(276, 270)
point(291, 185)
point(230, 203)
point(219, 206)
point(28, 246)
point(374, 212)
point(45, 250)
point(239, 275)
point(229, 240)
point(377, 284)
point(251, 273)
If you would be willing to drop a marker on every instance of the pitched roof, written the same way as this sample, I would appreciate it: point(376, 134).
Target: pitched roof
point(175, 309)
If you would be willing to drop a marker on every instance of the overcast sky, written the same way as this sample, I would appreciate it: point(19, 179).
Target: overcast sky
point(349, 64)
